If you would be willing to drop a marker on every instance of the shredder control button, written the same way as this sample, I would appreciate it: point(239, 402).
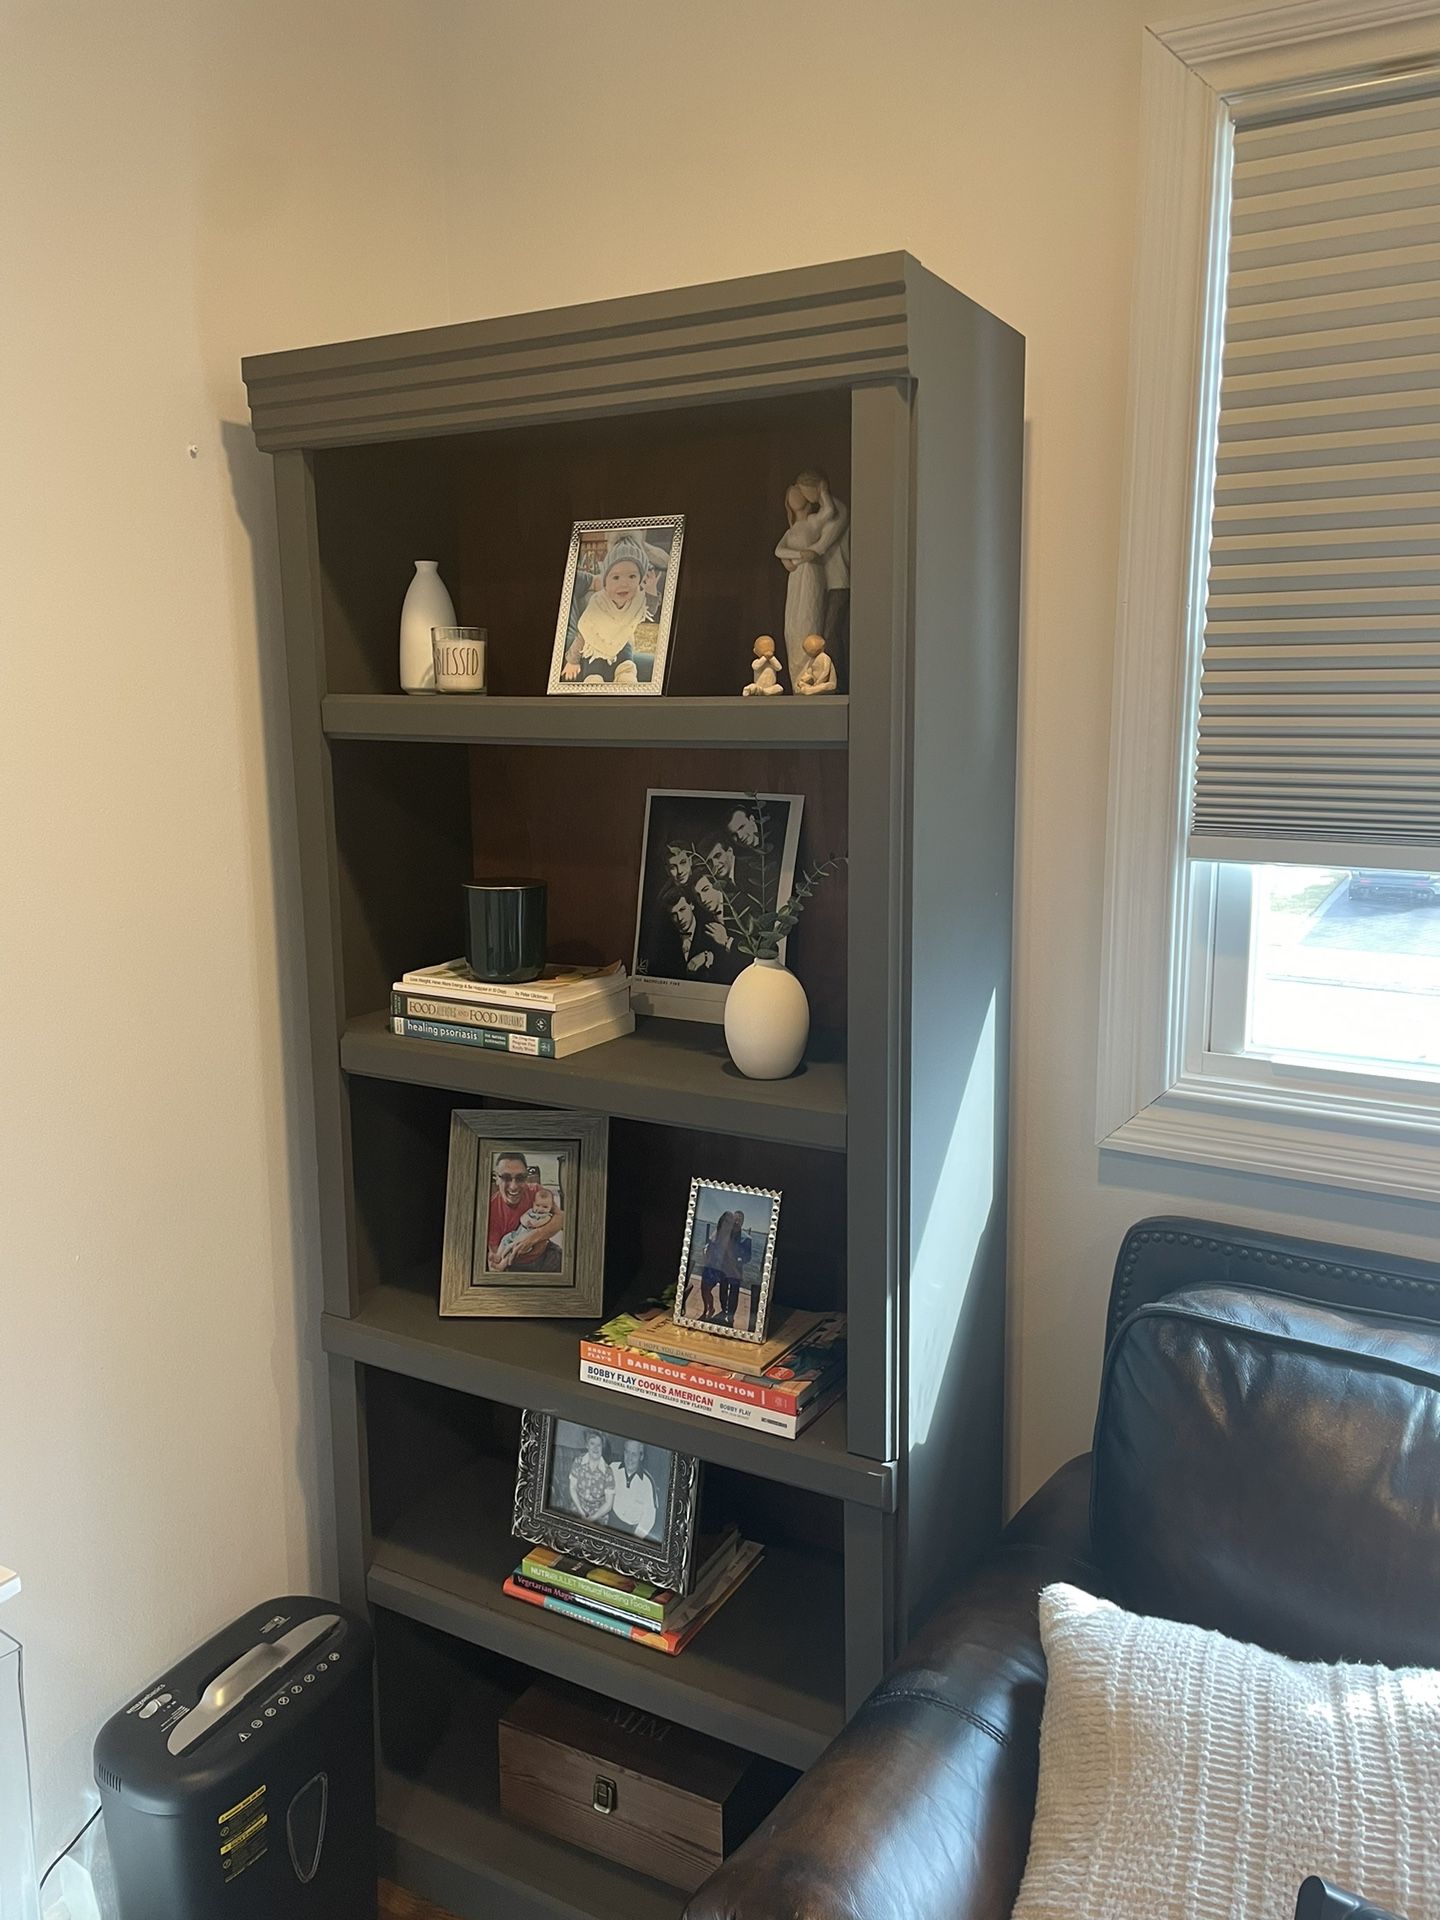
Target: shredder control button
point(149, 1710)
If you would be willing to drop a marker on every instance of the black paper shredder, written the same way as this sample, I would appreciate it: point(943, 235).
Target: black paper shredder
point(241, 1785)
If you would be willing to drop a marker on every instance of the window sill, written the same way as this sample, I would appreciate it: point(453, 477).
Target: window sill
point(1333, 1141)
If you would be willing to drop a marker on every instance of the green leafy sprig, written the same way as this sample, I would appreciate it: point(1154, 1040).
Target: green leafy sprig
point(759, 929)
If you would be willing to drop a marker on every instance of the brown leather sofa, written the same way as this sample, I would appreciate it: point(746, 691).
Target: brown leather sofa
point(1266, 1462)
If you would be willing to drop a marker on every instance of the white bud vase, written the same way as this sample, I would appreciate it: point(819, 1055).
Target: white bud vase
point(427, 605)
point(767, 1021)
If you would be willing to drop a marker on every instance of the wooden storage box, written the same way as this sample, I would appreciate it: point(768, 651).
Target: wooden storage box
point(642, 1791)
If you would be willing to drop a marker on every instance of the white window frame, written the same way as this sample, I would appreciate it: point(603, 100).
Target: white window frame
point(1162, 1090)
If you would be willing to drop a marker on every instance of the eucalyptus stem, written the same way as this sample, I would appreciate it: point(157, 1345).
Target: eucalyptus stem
point(760, 930)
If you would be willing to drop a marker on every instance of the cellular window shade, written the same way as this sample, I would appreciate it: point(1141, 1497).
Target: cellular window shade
point(1319, 721)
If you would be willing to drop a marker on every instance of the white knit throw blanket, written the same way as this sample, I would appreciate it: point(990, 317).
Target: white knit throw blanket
point(1185, 1776)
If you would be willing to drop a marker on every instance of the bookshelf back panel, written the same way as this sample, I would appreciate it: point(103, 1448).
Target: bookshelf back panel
point(402, 834)
point(496, 510)
point(399, 1142)
point(575, 817)
point(423, 1439)
point(424, 1675)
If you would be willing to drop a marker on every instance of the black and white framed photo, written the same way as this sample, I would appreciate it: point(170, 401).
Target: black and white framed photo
point(700, 848)
point(524, 1214)
point(616, 1502)
point(617, 606)
point(728, 1261)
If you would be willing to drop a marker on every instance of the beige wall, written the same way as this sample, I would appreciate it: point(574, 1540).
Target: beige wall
point(169, 203)
point(599, 152)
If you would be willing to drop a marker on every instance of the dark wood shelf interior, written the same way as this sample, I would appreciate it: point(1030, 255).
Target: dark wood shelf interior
point(767, 1673)
point(496, 509)
point(415, 820)
point(442, 1829)
point(399, 1141)
point(672, 1072)
point(533, 1363)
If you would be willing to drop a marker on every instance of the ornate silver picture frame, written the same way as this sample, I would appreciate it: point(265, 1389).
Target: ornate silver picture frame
point(616, 1502)
point(727, 1264)
point(617, 605)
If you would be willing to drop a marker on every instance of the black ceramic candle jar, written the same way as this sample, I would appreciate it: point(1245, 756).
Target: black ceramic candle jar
point(505, 929)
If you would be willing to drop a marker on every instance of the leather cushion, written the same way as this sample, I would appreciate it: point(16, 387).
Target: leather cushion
point(1270, 1468)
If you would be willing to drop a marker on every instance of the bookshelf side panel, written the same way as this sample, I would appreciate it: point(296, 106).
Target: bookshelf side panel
point(969, 420)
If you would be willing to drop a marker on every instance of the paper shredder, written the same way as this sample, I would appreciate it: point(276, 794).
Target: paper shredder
point(241, 1785)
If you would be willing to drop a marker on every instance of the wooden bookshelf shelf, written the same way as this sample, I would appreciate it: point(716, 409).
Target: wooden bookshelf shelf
point(533, 1363)
point(667, 721)
point(673, 1072)
point(767, 1673)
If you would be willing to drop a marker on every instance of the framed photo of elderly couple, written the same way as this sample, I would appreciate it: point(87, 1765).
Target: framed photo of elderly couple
point(525, 1214)
point(613, 1501)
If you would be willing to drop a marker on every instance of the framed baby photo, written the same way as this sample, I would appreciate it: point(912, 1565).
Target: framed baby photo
point(617, 605)
point(700, 851)
point(616, 1502)
point(728, 1261)
point(524, 1214)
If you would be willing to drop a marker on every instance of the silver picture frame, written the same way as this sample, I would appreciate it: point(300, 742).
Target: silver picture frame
point(643, 529)
point(691, 1279)
point(669, 1562)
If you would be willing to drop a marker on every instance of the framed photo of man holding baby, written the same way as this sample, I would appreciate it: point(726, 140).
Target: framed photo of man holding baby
point(617, 605)
point(524, 1214)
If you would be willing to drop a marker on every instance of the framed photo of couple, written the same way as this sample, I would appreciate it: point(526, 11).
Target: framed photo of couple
point(524, 1214)
point(617, 606)
point(613, 1501)
point(728, 1263)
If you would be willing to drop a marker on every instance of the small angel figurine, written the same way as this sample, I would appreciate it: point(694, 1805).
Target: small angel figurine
point(818, 673)
point(766, 678)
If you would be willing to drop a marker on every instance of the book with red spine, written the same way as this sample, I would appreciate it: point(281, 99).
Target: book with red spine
point(715, 1406)
point(633, 1346)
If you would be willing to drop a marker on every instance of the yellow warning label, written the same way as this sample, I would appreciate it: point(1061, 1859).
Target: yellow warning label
point(243, 1835)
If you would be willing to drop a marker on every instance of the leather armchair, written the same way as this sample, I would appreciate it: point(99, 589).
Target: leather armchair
point(1266, 1461)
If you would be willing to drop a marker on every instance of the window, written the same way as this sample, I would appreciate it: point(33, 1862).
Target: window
point(1272, 994)
point(1333, 967)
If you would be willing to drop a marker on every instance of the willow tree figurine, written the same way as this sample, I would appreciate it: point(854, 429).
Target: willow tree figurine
point(815, 551)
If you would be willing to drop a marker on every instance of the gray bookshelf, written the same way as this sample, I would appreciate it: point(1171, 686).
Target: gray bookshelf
point(479, 445)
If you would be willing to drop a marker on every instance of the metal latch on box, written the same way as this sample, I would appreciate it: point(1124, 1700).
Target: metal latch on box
point(605, 1798)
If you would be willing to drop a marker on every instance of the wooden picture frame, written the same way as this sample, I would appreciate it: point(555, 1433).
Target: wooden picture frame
point(654, 541)
point(548, 1519)
point(510, 1174)
point(706, 1196)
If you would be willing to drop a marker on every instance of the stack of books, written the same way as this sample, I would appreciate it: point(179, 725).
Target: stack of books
point(777, 1386)
point(613, 1603)
point(566, 1010)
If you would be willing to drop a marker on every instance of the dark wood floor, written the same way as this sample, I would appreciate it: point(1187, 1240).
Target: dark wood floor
point(396, 1904)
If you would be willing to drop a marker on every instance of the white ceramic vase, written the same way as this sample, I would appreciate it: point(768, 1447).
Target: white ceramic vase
point(427, 605)
point(767, 1021)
